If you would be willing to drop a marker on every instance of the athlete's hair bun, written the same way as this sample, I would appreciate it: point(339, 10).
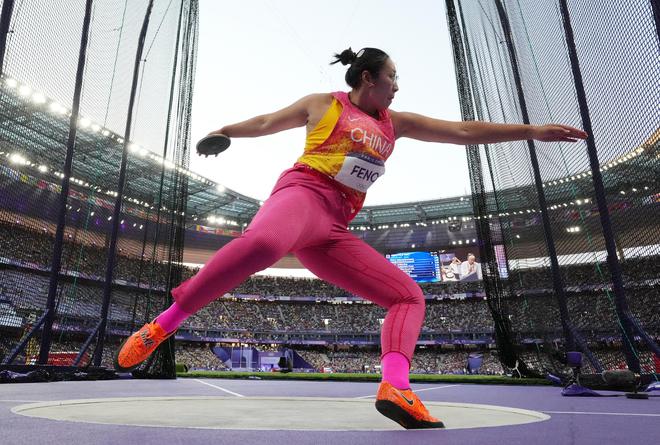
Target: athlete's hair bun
point(346, 57)
point(366, 59)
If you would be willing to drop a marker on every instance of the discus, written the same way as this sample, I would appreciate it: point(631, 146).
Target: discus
point(213, 144)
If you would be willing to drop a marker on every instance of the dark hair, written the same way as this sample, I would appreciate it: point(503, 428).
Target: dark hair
point(369, 59)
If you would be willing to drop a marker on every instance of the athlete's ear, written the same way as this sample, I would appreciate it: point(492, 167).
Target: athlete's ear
point(367, 78)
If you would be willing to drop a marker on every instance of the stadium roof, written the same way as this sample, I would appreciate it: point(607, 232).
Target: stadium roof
point(35, 129)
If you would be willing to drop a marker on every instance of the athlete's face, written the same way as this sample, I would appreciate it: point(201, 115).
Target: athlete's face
point(385, 86)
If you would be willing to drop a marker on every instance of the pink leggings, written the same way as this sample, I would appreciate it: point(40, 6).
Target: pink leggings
point(309, 217)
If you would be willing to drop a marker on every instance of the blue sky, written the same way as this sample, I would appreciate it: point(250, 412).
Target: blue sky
point(257, 56)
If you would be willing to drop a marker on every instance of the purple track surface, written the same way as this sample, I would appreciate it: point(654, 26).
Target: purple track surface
point(584, 421)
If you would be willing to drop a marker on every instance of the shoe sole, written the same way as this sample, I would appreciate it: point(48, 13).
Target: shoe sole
point(402, 417)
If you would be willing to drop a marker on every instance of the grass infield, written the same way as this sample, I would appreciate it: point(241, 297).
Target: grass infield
point(363, 377)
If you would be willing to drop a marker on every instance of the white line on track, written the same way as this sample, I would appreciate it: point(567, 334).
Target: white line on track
point(600, 414)
point(21, 401)
point(416, 391)
point(221, 389)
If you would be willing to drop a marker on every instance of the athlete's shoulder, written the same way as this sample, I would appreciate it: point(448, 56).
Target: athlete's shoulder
point(319, 98)
point(396, 114)
point(316, 103)
point(401, 120)
point(309, 104)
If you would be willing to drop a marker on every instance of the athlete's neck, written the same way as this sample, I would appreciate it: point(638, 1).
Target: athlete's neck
point(361, 100)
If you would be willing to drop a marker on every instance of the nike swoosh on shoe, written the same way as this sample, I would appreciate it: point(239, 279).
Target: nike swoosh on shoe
point(410, 402)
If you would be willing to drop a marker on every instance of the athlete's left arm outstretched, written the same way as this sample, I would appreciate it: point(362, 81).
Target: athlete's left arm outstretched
point(423, 128)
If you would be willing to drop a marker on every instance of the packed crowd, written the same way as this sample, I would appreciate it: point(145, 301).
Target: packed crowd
point(427, 360)
point(591, 312)
point(634, 271)
point(76, 299)
point(24, 282)
point(285, 286)
point(196, 356)
point(33, 247)
point(358, 360)
point(588, 312)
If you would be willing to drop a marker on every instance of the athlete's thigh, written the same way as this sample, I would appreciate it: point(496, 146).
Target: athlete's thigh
point(350, 263)
point(292, 216)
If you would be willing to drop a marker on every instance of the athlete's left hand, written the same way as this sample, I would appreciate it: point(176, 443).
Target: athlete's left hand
point(557, 133)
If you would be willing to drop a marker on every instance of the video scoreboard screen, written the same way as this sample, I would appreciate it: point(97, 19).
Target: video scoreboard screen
point(423, 267)
point(431, 267)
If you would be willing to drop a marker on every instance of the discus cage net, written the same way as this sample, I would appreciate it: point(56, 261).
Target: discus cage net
point(95, 101)
point(577, 223)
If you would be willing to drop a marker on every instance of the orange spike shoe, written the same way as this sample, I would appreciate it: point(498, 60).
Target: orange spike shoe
point(404, 407)
point(139, 346)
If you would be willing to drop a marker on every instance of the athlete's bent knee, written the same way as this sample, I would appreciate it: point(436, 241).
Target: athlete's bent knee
point(414, 295)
